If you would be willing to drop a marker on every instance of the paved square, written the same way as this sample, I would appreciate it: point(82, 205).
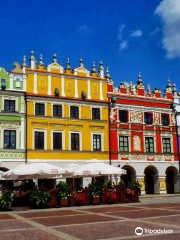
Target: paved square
point(110, 222)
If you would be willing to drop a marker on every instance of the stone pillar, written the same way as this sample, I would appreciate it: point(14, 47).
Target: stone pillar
point(162, 184)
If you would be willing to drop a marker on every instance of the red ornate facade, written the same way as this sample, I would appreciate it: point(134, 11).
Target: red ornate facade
point(143, 135)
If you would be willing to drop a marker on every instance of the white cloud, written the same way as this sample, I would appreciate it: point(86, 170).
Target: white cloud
point(137, 33)
point(169, 11)
point(122, 45)
point(85, 29)
point(120, 30)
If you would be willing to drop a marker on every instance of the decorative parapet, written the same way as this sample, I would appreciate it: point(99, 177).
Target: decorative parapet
point(142, 157)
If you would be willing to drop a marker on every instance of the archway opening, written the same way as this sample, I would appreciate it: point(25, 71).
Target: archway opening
point(151, 180)
point(171, 180)
point(130, 176)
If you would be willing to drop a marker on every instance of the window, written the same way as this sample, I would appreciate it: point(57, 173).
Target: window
point(57, 140)
point(123, 116)
point(96, 142)
point(95, 113)
point(165, 119)
point(3, 84)
point(39, 140)
point(74, 112)
point(57, 110)
point(148, 118)
point(9, 105)
point(149, 142)
point(166, 145)
point(18, 83)
point(39, 109)
point(74, 141)
point(9, 139)
point(123, 144)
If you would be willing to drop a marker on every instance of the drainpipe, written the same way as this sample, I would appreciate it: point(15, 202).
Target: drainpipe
point(110, 106)
point(175, 111)
point(26, 128)
point(109, 125)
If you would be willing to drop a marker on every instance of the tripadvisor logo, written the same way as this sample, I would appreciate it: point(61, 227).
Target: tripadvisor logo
point(138, 231)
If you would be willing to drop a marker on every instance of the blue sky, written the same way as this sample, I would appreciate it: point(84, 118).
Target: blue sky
point(129, 36)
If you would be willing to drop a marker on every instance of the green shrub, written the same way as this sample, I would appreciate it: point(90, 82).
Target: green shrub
point(6, 199)
point(63, 189)
point(39, 198)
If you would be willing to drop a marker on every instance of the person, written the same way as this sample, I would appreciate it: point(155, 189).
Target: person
point(138, 187)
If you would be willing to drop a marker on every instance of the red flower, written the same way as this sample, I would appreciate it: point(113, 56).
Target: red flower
point(80, 199)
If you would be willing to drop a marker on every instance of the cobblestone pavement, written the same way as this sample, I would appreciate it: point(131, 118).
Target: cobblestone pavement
point(110, 222)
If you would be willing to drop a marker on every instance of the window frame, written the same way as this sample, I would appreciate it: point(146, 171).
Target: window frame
point(9, 140)
point(72, 148)
point(121, 116)
point(163, 116)
point(165, 147)
point(39, 148)
point(95, 148)
point(57, 105)
point(95, 115)
point(40, 104)
point(61, 141)
point(151, 118)
point(123, 146)
point(73, 113)
point(9, 105)
point(148, 147)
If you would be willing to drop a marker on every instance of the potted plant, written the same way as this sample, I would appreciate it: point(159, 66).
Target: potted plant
point(111, 197)
point(6, 200)
point(63, 191)
point(95, 191)
point(38, 198)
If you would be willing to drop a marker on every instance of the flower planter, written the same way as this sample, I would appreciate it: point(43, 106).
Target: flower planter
point(96, 200)
point(64, 202)
point(53, 199)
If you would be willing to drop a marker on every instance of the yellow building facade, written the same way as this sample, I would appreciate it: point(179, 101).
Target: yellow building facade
point(67, 113)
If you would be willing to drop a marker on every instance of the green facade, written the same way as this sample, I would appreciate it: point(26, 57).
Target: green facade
point(12, 120)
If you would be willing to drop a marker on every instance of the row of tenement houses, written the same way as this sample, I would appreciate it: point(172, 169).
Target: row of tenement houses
point(62, 115)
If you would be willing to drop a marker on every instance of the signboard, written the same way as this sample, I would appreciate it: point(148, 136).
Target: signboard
point(86, 172)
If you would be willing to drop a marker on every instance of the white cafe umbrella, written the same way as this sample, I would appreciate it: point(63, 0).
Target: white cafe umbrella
point(34, 170)
point(71, 167)
point(94, 168)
